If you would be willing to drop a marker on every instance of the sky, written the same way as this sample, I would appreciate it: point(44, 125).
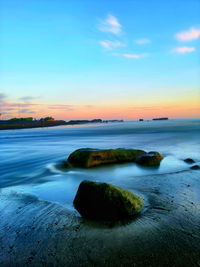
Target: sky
point(109, 59)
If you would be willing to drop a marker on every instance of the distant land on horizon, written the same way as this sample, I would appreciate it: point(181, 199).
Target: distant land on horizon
point(29, 122)
point(21, 123)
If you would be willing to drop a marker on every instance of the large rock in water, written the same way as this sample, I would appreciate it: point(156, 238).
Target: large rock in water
point(87, 157)
point(101, 201)
point(149, 159)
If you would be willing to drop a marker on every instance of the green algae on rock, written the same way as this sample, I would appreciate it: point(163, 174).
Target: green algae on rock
point(150, 159)
point(102, 201)
point(87, 157)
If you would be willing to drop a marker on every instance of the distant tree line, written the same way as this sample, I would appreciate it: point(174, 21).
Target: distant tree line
point(22, 119)
point(32, 119)
point(47, 119)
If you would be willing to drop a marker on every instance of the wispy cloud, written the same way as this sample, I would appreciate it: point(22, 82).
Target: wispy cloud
point(89, 106)
point(142, 41)
point(25, 107)
point(189, 35)
point(110, 24)
point(14, 109)
point(183, 50)
point(7, 109)
point(26, 110)
point(28, 98)
point(21, 104)
point(111, 44)
point(142, 108)
point(134, 56)
point(62, 107)
point(2, 97)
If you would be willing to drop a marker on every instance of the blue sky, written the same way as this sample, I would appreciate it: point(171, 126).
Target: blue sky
point(100, 54)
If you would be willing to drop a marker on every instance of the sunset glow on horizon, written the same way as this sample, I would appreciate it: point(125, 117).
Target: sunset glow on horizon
point(87, 59)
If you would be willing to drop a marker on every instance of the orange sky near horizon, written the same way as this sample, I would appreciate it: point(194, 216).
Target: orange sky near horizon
point(182, 109)
point(130, 113)
point(184, 103)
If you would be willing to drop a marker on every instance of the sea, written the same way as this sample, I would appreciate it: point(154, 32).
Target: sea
point(30, 158)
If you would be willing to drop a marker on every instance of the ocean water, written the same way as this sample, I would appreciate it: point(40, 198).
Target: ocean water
point(29, 157)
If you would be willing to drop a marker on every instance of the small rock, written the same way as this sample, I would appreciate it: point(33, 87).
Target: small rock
point(102, 201)
point(189, 160)
point(149, 159)
point(195, 167)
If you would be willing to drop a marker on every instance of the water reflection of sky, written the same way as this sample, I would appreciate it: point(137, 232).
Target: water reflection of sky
point(28, 157)
point(61, 186)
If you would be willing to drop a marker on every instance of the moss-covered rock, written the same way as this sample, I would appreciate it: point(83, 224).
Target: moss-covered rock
point(150, 159)
point(189, 160)
point(101, 201)
point(87, 157)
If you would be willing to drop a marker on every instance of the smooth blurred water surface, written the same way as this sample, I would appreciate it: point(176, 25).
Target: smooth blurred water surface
point(28, 157)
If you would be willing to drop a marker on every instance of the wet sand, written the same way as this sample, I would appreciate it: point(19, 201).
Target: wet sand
point(38, 233)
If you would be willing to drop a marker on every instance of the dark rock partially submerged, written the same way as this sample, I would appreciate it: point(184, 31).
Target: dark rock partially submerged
point(102, 201)
point(195, 167)
point(149, 159)
point(87, 157)
point(189, 160)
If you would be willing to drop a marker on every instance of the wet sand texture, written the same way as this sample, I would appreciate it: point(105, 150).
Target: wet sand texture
point(167, 233)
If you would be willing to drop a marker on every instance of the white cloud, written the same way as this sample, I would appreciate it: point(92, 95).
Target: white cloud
point(134, 56)
point(189, 35)
point(142, 41)
point(111, 44)
point(110, 24)
point(183, 49)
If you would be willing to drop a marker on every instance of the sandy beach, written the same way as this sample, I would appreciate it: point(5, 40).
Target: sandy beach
point(34, 232)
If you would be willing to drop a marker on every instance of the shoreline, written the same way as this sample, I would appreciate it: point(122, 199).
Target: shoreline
point(26, 125)
point(165, 234)
point(6, 125)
